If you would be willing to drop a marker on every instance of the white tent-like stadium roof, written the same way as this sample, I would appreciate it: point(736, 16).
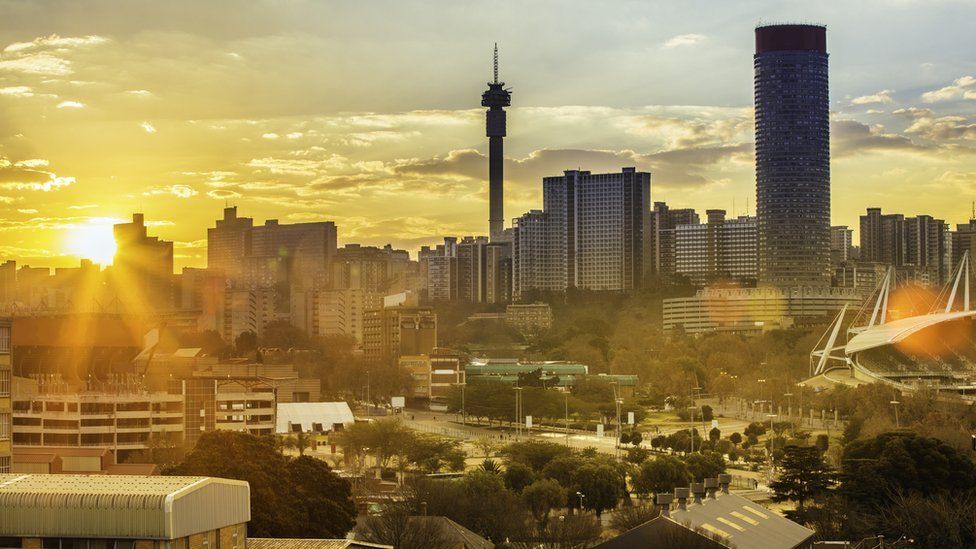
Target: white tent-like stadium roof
point(898, 330)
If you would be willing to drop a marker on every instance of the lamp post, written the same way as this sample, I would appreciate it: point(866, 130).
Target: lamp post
point(581, 495)
point(518, 412)
point(772, 441)
point(618, 402)
point(369, 410)
point(894, 404)
point(566, 395)
point(789, 409)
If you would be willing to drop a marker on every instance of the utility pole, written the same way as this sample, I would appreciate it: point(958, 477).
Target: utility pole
point(566, 394)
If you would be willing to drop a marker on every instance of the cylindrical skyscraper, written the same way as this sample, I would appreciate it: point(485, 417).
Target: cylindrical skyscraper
point(496, 97)
point(792, 155)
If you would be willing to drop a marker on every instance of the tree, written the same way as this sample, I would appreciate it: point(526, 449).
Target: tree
point(735, 438)
point(822, 443)
point(602, 486)
point(324, 500)
point(714, 435)
point(535, 454)
point(282, 335)
point(704, 465)
point(290, 497)
point(299, 441)
point(632, 516)
point(431, 454)
point(245, 342)
point(541, 497)
point(517, 476)
point(904, 463)
point(636, 438)
point(661, 474)
point(803, 476)
point(491, 466)
point(707, 413)
point(394, 526)
point(637, 455)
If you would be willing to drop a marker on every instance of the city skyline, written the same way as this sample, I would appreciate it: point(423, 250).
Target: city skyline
point(280, 115)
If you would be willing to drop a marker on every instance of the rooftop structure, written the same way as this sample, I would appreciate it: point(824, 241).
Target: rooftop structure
point(122, 507)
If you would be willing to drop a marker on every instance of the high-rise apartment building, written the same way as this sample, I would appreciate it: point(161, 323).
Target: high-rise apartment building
point(142, 271)
point(719, 250)
point(792, 155)
point(841, 244)
point(663, 223)
point(371, 269)
point(334, 312)
point(592, 233)
point(498, 269)
point(961, 240)
point(6, 417)
point(921, 242)
point(228, 243)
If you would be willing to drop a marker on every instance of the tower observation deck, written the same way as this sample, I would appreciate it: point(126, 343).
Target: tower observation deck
point(496, 98)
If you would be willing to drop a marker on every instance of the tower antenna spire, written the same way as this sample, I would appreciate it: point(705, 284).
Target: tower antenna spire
point(496, 63)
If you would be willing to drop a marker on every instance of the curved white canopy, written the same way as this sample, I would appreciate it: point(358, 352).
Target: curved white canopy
point(897, 330)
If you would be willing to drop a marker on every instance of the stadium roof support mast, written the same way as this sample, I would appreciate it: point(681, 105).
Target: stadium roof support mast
point(827, 353)
point(963, 274)
point(881, 305)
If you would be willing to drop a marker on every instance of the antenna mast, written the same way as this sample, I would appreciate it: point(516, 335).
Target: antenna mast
point(496, 63)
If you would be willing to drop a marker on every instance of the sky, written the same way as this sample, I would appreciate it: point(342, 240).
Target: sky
point(368, 113)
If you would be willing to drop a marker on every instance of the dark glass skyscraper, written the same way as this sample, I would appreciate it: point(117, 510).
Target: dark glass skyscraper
point(792, 155)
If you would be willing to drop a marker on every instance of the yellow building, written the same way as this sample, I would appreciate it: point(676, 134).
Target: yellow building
point(100, 511)
point(6, 417)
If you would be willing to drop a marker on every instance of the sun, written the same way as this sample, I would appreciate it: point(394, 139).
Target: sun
point(92, 241)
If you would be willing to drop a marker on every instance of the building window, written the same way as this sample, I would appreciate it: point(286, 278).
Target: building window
point(5, 340)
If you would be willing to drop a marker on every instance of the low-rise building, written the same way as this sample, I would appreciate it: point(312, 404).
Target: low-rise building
point(123, 511)
point(530, 318)
point(753, 310)
point(6, 415)
point(433, 376)
point(392, 332)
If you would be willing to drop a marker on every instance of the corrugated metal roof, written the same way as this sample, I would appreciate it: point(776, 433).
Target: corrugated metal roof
point(306, 413)
point(740, 523)
point(291, 543)
point(119, 506)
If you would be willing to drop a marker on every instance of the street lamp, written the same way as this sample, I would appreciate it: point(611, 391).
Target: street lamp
point(518, 411)
point(581, 495)
point(894, 404)
point(566, 395)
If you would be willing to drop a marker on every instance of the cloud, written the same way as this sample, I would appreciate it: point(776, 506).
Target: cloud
point(223, 194)
point(17, 91)
point(139, 93)
point(180, 191)
point(149, 128)
point(54, 42)
point(962, 87)
point(883, 96)
point(40, 64)
point(850, 137)
point(31, 163)
point(52, 184)
point(71, 105)
point(271, 136)
point(683, 40)
point(82, 206)
point(27, 210)
point(926, 124)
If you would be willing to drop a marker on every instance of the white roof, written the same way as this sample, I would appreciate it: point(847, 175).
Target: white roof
point(307, 413)
point(897, 330)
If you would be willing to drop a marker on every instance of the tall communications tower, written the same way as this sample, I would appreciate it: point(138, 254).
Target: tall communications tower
point(496, 98)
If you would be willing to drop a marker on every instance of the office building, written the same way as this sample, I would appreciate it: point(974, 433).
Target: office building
point(433, 377)
point(496, 98)
point(6, 417)
point(392, 332)
point(720, 250)
point(142, 270)
point(472, 272)
point(792, 155)
point(592, 234)
point(664, 220)
point(123, 511)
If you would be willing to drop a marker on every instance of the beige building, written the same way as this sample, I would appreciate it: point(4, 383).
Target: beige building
point(6, 417)
point(145, 512)
point(392, 332)
point(433, 376)
point(530, 318)
point(333, 312)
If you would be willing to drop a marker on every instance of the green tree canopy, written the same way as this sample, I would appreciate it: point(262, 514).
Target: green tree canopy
point(661, 474)
point(803, 476)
